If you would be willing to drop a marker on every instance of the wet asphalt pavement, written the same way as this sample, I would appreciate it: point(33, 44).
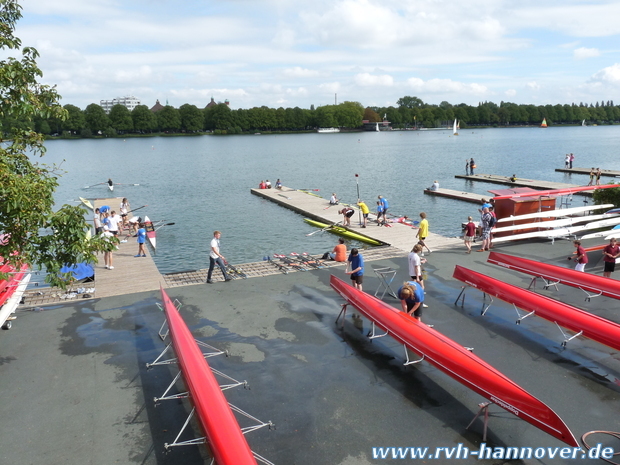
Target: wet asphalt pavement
point(76, 389)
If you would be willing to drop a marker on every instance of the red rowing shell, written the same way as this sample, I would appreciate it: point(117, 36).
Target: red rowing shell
point(219, 424)
point(457, 362)
point(586, 281)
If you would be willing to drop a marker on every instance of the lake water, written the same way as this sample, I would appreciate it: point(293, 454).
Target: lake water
point(203, 183)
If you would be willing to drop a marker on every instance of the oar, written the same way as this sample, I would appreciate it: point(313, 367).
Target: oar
point(325, 228)
point(135, 209)
point(87, 187)
point(123, 184)
point(314, 190)
point(161, 226)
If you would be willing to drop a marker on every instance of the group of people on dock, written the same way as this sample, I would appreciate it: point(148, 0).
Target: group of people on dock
point(267, 184)
point(109, 223)
point(595, 177)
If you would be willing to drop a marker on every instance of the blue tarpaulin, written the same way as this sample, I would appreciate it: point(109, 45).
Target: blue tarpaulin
point(80, 271)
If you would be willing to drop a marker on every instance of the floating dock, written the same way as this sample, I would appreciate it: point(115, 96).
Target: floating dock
point(398, 235)
point(522, 182)
point(586, 171)
point(458, 195)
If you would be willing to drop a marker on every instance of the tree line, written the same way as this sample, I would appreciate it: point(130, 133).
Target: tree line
point(409, 112)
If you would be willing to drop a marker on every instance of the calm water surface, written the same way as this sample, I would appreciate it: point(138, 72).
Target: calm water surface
point(203, 183)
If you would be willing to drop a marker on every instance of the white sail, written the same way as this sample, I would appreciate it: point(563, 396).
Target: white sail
point(454, 130)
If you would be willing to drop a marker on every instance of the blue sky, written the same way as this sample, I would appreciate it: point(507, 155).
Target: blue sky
point(297, 53)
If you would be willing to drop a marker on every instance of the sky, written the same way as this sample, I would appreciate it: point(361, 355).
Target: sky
point(288, 53)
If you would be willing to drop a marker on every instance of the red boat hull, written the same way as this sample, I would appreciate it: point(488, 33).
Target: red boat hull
point(8, 286)
point(218, 422)
point(594, 327)
point(457, 362)
point(566, 191)
point(586, 281)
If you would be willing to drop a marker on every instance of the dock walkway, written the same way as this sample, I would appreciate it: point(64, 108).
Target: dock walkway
point(522, 182)
point(458, 195)
point(586, 171)
point(317, 208)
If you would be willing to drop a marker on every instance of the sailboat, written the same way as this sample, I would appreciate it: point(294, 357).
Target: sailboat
point(454, 129)
point(544, 123)
point(583, 123)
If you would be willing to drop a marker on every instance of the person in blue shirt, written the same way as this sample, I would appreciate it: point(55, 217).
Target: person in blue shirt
point(356, 264)
point(411, 297)
point(380, 214)
point(385, 204)
point(141, 239)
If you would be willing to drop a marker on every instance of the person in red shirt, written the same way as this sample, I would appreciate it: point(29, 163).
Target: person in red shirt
point(610, 253)
point(470, 233)
point(581, 258)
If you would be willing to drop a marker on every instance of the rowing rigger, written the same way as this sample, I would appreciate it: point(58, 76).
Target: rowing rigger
point(215, 416)
point(454, 360)
point(563, 315)
point(552, 275)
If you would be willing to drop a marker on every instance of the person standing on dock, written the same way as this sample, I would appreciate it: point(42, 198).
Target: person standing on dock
point(356, 263)
point(592, 174)
point(571, 160)
point(470, 233)
point(385, 204)
point(466, 166)
point(97, 222)
point(472, 165)
point(581, 258)
point(380, 214)
point(485, 222)
point(610, 253)
point(141, 240)
point(216, 257)
point(365, 211)
point(567, 161)
point(415, 265)
point(422, 233)
point(598, 176)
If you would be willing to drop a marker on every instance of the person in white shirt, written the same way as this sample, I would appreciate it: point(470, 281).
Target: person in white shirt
point(113, 223)
point(216, 257)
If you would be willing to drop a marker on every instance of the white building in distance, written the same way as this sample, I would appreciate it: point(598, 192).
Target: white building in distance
point(129, 102)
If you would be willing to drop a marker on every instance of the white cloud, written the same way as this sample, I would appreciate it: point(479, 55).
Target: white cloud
point(609, 75)
point(533, 85)
point(583, 52)
point(446, 86)
point(366, 79)
point(510, 93)
point(299, 72)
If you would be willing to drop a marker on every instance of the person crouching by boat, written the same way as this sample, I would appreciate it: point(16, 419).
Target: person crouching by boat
point(356, 263)
point(347, 213)
point(141, 240)
point(333, 200)
point(411, 297)
point(339, 254)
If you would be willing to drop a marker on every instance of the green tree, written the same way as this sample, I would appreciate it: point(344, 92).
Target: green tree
point(410, 102)
point(168, 119)
point(96, 119)
point(192, 119)
point(75, 121)
point(349, 114)
point(144, 120)
point(120, 118)
point(33, 233)
point(218, 117)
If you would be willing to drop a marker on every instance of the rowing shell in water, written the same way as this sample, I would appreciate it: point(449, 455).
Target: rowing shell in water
point(342, 232)
point(457, 362)
point(151, 232)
